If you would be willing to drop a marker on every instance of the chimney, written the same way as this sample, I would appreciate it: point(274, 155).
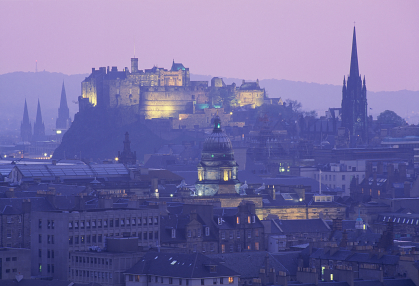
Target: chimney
point(380, 168)
point(390, 172)
point(368, 170)
point(80, 203)
point(134, 65)
point(337, 224)
point(282, 278)
point(344, 241)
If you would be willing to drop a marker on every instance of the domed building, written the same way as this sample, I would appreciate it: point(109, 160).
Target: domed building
point(217, 171)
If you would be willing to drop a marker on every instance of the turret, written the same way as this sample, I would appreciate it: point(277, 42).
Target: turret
point(134, 65)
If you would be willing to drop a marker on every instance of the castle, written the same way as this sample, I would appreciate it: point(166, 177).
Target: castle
point(161, 93)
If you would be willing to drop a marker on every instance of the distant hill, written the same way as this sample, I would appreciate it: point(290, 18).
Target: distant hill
point(15, 87)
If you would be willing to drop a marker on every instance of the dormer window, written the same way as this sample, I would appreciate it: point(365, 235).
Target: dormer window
point(254, 219)
point(248, 219)
point(173, 233)
point(238, 220)
point(220, 221)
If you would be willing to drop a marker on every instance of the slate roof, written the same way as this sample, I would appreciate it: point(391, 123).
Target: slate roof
point(14, 205)
point(179, 265)
point(250, 86)
point(346, 255)
point(247, 264)
point(301, 225)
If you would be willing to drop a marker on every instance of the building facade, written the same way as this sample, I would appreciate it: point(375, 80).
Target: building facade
point(54, 235)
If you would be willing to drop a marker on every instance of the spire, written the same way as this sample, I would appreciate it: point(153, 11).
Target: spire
point(25, 126)
point(38, 115)
point(38, 127)
point(354, 70)
point(25, 114)
point(63, 101)
point(63, 119)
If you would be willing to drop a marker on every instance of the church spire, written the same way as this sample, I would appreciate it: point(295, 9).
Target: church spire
point(39, 127)
point(63, 119)
point(354, 70)
point(25, 126)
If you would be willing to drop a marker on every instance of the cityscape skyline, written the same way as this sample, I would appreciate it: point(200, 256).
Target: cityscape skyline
point(281, 40)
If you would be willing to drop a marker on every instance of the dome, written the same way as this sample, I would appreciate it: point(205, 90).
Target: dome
point(218, 141)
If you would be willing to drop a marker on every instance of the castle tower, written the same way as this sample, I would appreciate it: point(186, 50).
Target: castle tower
point(25, 126)
point(354, 100)
point(38, 127)
point(217, 171)
point(134, 65)
point(63, 120)
point(127, 156)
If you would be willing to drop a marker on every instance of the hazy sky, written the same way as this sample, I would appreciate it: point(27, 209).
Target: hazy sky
point(294, 40)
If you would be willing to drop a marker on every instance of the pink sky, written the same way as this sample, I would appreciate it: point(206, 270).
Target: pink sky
point(294, 40)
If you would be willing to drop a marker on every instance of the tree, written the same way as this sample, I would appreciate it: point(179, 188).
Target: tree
point(390, 117)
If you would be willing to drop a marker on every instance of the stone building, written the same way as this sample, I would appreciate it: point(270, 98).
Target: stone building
point(168, 268)
point(105, 267)
point(217, 171)
point(55, 234)
point(161, 93)
point(127, 156)
point(15, 263)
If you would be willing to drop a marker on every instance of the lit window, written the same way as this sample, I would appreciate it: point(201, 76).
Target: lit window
point(238, 220)
point(230, 280)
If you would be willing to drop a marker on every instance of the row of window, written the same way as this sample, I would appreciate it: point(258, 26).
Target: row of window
point(231, 233)
point(50, 239)
point(92, 260)
point(239, 247)
point(11, 259)
point(82, 224)
point(400, 220)
point(10, 219)
point(50, 268)
point(9, 233)
point(91, 274)
point(178, 281)
point(50, 253)
point(81, 239)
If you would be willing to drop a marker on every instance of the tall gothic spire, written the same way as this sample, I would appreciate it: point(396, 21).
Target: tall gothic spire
point(354, 70)
point(25, 126)
point(38, 127)
point(63, 119)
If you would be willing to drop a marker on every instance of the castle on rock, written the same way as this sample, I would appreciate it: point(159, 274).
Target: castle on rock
point(161, 93)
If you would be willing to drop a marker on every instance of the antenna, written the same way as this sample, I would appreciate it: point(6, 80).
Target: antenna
point(134, 50)
point(36, 65)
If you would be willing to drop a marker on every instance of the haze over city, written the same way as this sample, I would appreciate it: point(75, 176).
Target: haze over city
point(306, 41)
point(236, 143)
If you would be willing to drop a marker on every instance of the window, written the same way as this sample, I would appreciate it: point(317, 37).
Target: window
point(238, 234)
point(105, 223)
point(76, 240)
point(93, 223)
point(214, 281)
point(207, 231)
point(127, 222)
point(40, 224)
point(111, 223)
point(150, 220)
point(133, 222)
point(256, 232)
point(223, 248)
point(94, 238)
point(248, 219)
point(249, 233)
point(40, 238)
point(76, 225)
point(223, 235)
point(189, 233)
point(99, 238)
point(180, 281)
point(343, 177)
point(202, 281)
point(48, 224)
point(221, 280)
point(238, 220)
point(231, 247)
point(116, 222)
point(253, 219)
point(150, 235)
point(343, 187)
point(39, 253)
point(199, 232)
point(256, 245)
point(231, 234)
point(170, 280)
point(230, 280)
point(9, 233)
point(156, 220)
point(70, 240)
point(14, 258)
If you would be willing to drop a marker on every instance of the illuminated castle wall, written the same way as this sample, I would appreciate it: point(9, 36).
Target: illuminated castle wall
point(157, 92)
